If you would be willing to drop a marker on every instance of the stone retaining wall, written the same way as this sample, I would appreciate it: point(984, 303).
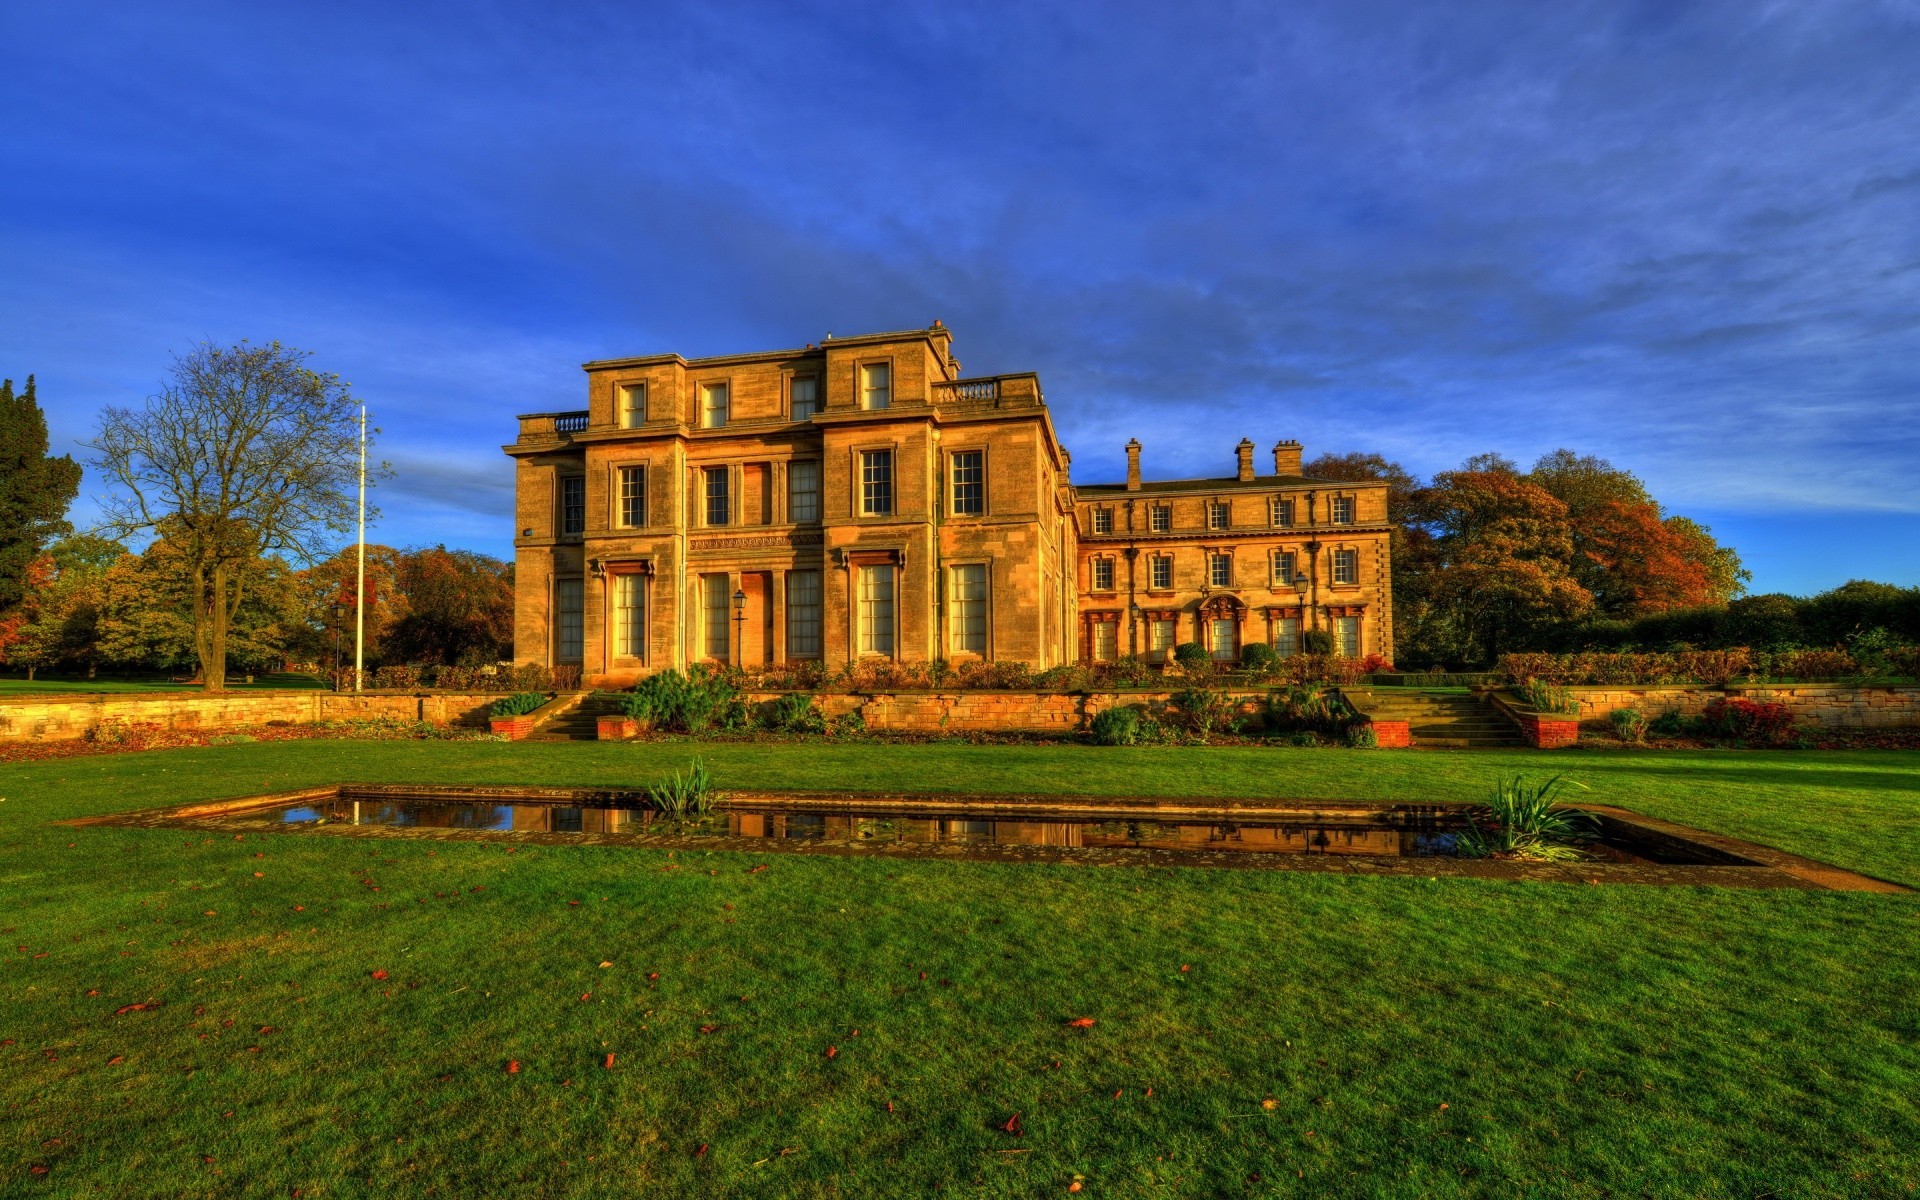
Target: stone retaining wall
point(66, 717)
point(987, 712)
point(1831, 705)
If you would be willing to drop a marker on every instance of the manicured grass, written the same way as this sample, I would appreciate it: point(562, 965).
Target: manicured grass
point(12, 685)
point(1415, 1037)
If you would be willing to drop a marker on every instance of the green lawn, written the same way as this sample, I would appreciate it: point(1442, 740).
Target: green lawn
point(22, 686)
point(1414, 1037)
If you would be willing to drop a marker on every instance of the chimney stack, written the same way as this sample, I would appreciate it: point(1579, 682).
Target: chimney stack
point(1133, 464)
point(1245, 453)
point(1286, 458)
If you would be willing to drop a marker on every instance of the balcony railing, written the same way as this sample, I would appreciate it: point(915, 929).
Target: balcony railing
point(542, 426)
point(997, 390)
point(976, 389)
point(569, 422)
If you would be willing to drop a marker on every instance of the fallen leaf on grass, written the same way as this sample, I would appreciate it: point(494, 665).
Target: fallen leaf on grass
point(1269, 1104)
point(380, 974)
point(1013, 1126)
point(701, 1152)
point(583, 996)
point(833, 1051)
point(1080, 1023)
point(116, 1060)
point(513, 1066)
point(709, 1029)
point(605, 965)
point(608, 1065)
point(143, 1006)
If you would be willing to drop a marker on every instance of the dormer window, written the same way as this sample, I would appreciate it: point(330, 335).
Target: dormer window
point(1103, 520)
point(633, 405)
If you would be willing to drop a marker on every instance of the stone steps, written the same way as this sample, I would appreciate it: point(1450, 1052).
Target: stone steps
point(1447, 721)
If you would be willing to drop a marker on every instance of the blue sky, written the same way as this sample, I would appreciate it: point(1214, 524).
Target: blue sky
point(1682, 236)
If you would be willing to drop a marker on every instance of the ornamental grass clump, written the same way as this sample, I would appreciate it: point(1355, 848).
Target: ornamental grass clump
point(1117, 726)
point(1297, 709)
point(1524, 820)
point(688, 793)
point(1205, 710)
point(1545, 697)
point(1629, 724)
point(517, 705)
point(794, 712)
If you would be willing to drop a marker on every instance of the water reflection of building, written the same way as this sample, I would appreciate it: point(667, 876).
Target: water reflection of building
point(1271, 839)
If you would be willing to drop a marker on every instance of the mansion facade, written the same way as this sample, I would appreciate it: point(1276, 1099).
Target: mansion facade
point(860, 498)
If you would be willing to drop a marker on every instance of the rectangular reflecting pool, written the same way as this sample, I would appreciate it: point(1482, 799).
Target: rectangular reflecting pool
point(1315, 835)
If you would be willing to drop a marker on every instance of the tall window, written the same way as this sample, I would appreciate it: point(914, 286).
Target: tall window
point(1103, 520)
point(876, 385)
point(717, 506)
point(1226, 639)
point(876, 610)
point(1286, 636)
point(1106, 641)
point(803, 491)
point(969, 482)
point(1346, 566)
point(967, 602)
point(633, 497)
point(713, 405)
point(1160, 635)
point(573, 504)
point(1160, 572)
point(1342, 510)
point(1281, 508)
point(803, 614)
point(1216, 514)
point(806, 397)
point(1162, 518)
point(1220, 570)
point(1283, 568)
point(629, 615)
point(633, 405)
point(876, 483)
point(1102, 574)
point(567, 599)
point(713, 613)
point(1346, 637)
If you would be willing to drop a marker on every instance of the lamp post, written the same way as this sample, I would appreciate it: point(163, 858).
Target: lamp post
point(739, 625)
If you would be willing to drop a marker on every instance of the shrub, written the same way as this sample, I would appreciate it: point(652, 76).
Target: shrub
point(1360, 736)
point(1193, 658)
point(1738, 719)
point(1630, 724)
point(1126, 672)
point(517, 705)
point(1300, 708)
point(1317, 641)
point(1904, 660)
point(1524, 820)
point(1065, 678)
point(1376, 664)
point(1814, 664)
point(690, 703)
point(397, 677)
point(1303, 737)
point(1668, 724)
point(1259, 658)
point(1117, 726)
point(794, 712)
point(688, 793)
point(566, 677)
point(1204, 710)
point(1548, 697)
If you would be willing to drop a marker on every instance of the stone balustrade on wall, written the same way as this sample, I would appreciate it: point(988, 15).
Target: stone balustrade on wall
point(55, 717)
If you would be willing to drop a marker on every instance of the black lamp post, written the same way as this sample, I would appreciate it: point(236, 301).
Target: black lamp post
point(739, 625)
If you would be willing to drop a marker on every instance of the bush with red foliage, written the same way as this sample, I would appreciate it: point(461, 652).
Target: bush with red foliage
point(1741, 720)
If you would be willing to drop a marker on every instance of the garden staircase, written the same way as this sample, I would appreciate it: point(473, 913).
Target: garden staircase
point(1446, 719)
point(574, 723)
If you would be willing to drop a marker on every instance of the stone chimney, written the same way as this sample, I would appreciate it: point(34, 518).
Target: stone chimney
point(1245, 453)
point(1286, 458)
point(1133, 464)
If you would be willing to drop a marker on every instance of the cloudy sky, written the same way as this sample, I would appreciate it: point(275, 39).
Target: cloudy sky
point(1683, 236)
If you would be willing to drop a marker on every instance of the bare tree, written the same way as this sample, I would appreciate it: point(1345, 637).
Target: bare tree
point(245, 452)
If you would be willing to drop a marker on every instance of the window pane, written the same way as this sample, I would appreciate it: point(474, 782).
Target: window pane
point(876, 483)
point(1226, 639)
point(567, 598)
point(629, 619)
point(1106, 641)
point(713, 405)
point(803, 491)
point(1162, 634)
point(1343, 510)
point(573, 504)
point(1222, 570)
point(1162, 567)
point(714, 605)
point(1103, 520)
point(1162, 519)
point(876, 385)
point(806, 397)
point(717, 507)
point(1286, 637)
point(633, 496)
point(1283, 567)
point(1346, 636)
point(969, 606)
point(969, 483)
point(1216, 516)
point(633, 404)
point(1346, 566)
point(803, 614)
point(1282, 511)
point(1102, 574)
point(876, 610)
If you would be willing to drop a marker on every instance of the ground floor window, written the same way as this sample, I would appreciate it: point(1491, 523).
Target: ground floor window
point(967, 601)
point(568, 597)
point(1286, 636)
point(803, 614)
point(629, 615)
point(876, 610)
point(1160, 635)
point(713, 617)
point(1346, 636)
point(1226, 639)
point(1106, 641)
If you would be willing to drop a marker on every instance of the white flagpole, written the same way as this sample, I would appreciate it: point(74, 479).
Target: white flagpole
point(360, 595)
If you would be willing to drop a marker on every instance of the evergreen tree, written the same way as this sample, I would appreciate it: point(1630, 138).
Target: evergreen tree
point(35, 489)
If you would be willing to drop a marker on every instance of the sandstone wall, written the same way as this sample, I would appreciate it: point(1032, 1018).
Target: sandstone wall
point(56, 717)
point(1832, 705)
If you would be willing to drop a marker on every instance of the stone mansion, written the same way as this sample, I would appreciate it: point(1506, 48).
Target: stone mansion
point(860, 498)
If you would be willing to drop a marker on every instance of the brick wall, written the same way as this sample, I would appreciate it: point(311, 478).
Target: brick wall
point(53, 718)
